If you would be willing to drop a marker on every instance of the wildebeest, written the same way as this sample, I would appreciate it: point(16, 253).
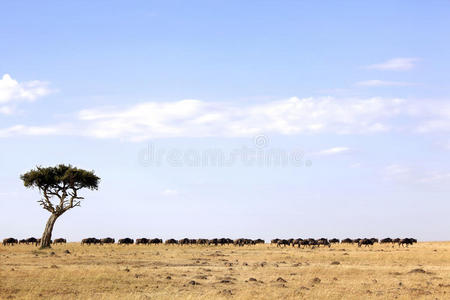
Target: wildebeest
point(312, 243)
point(155, 241)
point(221, 241)
point(10, 241)
point(171, 242)
point(365, 242)
point(202, 242)
point(142, 241)
point(407, 241)
point(91, 240)
point(260, 241)
point(242, 241)
point(334, 241)
point(283, 242)
point(386, 241)
point(347, 241)
point(60, 241)
point(225, 241)
point(23, 241)
point(297, 242)
point(33, 240)
point(107, 240)
point(274, 241)
point(126, 241)
point(324, 242)
point(184, 241)
point(214, 241)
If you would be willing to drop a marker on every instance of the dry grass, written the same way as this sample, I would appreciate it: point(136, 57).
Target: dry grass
point(223, 272)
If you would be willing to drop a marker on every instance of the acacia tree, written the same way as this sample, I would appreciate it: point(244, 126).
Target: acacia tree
point(61, 183)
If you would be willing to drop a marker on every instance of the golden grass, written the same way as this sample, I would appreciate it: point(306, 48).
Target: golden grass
point(225, 272)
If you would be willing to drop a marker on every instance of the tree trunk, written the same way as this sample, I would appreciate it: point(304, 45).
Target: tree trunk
point(47, 236)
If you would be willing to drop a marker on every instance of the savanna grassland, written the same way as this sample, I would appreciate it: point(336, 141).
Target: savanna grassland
point(225, 272)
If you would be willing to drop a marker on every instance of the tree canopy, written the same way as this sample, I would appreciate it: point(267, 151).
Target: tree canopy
point(63, 182)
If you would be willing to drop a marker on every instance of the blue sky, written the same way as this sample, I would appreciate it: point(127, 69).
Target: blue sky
point(357, 93)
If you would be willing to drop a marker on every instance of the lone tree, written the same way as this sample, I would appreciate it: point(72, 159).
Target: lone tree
point(63, 183)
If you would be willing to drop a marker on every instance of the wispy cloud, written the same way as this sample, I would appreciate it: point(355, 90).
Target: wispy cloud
point(195, 118)
point(334, 150)
point(31, 130)
point(395, 64)
point(293, 116)
point(12, 91)
point(409, 175)
point(375, 83)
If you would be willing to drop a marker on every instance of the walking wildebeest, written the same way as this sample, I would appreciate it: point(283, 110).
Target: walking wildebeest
point(365, 242)
point(283, 243)
point(241, 242)
point(108, 240)
point(214, 241)
point(184, 241)
point(274, 241)
point(142, 241)
point(334, 241)
point(225, 241)
point(90, 241)
point(126, 241)
point(297, 242)
point(324, 242)
point(33, 240)
point(386, 241)
point(347, 241)
point(202, 241)
point(10, 242)
point(59, 241)
point(406, 241)
point(171, 242)
point(313, 243)
point(155, 241)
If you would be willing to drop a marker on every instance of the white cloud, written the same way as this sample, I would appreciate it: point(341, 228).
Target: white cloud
point(409, 175)
point(6, 110)
point(169, 193)
point(334, 150)
point(293, 116)
point(375, 83)
point(30, 130)
point(195, 118)
point(395, 64)
point(12, 91)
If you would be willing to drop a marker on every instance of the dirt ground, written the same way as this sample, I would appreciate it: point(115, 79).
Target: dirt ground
point(73, 271)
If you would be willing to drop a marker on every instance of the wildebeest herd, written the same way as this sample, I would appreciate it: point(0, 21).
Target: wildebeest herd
point(30, 241)
point(328, 242)
point(300, 243)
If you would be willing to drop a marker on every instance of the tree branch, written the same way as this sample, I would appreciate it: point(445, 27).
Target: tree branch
point(47, 205)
